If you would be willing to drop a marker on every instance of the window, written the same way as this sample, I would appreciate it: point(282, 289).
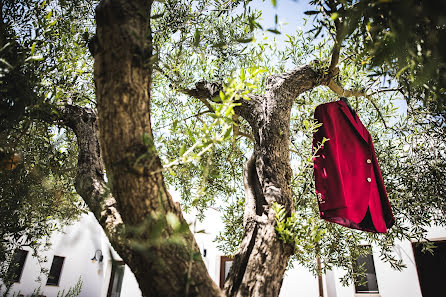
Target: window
point(15, 269)
point(431, 269)
point(225, 265)
point(55, 270)
point(114, 287)
point(368, 283)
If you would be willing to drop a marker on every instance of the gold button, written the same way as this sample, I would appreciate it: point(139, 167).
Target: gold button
point(319, 197)
point(369, 179)
point(369, 161)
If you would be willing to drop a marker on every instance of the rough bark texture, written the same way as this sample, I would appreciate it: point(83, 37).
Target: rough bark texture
point(90, 182)
point(259, 266)
point(122, 53)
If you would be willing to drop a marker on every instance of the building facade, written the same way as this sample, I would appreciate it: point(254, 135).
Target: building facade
point(83, 252)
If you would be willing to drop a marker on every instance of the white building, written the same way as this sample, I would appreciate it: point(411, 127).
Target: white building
point(72, 251)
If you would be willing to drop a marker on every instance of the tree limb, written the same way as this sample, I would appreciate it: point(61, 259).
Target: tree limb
point(246, 135)
point(90, 182)
point(290, 84)
point(203, 90)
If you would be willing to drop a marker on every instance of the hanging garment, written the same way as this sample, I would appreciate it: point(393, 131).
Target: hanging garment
point(349, 185)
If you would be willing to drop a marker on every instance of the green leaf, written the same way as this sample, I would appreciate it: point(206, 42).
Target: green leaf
point(34, 58)
point(227, 133)
point(191, 136)
point(157, 16)
point(275, 31)
point(49, 14)
point(174, 125)
point(311, 12)
point(183, 149)
point(33, 48)
point(197, 37)
point(6, 63)
point(245, 40)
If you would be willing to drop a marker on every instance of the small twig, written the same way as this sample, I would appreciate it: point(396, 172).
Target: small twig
point(246, 135)
point(202, 95)
point(355, 93)
point(386, 90)
point(336, 50)
point(197, 115)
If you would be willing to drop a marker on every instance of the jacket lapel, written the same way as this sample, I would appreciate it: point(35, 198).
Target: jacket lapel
point(356, 123)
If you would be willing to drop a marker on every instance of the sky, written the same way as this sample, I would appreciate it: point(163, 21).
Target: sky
point(290, 17)
point(290, 14)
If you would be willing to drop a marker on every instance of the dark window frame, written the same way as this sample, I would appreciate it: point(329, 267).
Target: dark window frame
point(358, 289)
point(223, 260)
point(419, 258)
point(17, 275)
point(115, 265)
point(49, 281)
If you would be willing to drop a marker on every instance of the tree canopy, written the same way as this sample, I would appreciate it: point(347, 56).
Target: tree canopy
point(174, 100)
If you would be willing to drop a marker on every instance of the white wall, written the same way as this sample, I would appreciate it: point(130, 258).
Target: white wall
point(299, 282)
point(80, 241)
point(391, 283)
point(77, 244)
point(130, 286)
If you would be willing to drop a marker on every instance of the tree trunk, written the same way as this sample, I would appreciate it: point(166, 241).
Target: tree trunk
point(259, 266)
point(123, 51)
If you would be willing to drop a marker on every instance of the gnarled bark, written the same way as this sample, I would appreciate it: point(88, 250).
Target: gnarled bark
point(259, 266)
point(123, 70)
point(123, 52)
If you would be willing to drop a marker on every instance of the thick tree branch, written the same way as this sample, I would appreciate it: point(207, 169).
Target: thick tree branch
point(288, 85)
point(336, 50)
point(267, 176)
point(89, 183)
point(246, 135)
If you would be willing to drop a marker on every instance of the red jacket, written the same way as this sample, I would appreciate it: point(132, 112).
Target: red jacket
point(349, 185)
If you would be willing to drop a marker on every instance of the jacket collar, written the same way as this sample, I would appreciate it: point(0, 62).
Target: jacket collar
point(354, 121)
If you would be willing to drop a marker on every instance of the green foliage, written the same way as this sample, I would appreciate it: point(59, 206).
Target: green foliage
point(291, 230)
point(399, 39)
point(201, 39)
point(71, 292)
point(43, 63)
point(230, 238)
